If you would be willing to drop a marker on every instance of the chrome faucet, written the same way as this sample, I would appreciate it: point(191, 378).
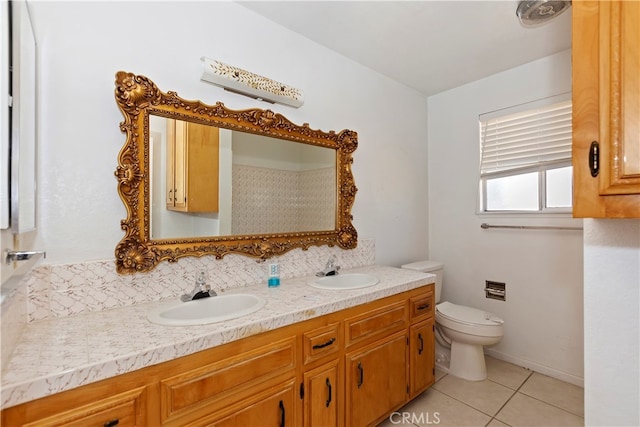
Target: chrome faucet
point(330, 269)
point(201, 290)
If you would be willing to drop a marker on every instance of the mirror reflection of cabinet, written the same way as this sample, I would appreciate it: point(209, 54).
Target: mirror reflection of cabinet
point(192, 167)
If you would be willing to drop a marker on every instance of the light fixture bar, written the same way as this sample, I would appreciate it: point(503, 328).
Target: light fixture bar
point(246, 83)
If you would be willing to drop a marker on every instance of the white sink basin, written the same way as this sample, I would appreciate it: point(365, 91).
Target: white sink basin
point(344, 281)
point(207, 310)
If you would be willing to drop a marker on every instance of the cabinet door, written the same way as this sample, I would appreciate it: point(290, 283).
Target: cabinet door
point(176, 164)
point(606, 105)
point(202, 167)
point(376, 380)
point(272, 409)
point(421, 357)
point(321, 393)
point(192, 166)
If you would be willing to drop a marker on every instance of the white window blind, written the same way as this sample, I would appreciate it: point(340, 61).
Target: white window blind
point(525, 140)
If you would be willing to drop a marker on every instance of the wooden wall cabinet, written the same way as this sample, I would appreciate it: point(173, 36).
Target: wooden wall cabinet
point(192, 167)
point(606, 109)
point(349, 368)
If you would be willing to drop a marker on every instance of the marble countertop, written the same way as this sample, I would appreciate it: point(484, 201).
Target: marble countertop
point(60, 354)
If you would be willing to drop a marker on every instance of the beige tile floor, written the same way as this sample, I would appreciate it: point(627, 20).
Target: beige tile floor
point(510, 396)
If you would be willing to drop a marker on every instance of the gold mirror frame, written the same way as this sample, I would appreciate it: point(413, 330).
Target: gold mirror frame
point(138, 97)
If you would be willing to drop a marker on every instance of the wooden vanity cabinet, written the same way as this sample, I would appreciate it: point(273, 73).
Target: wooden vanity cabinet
point(376, 380)
point(348, 368)
point(606, 108)
point(421, 357)
point(192, 167)
point(321, 388)
point(422, 363)
point(376, 360)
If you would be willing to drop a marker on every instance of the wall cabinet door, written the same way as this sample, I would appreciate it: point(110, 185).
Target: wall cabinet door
point(376, 380)
point(606, 106)
point(192, 167)
point(321, 394)
point(421, 357)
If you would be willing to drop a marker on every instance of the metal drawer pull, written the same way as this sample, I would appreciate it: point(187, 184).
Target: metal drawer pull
point(424, 306)
point(331, 341)
point(282, 413)
point(329, 390)
point(421, 346)
point(361, 371)
point(112, 423)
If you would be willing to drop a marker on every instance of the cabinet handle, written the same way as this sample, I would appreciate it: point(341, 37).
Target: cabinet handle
point(421, 346)
point(361, 378)
point(112, 423)
point(331, 341)
point(329, 391)
point(170, 199)
point(424, 306)
point(594, 158)
point(282, 418)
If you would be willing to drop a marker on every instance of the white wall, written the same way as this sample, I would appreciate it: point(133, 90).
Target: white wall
point(612, 322)
point(542, 269)
point(83, 45)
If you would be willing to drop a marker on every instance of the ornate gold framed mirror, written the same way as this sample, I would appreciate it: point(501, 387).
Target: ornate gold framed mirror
point(200, 179)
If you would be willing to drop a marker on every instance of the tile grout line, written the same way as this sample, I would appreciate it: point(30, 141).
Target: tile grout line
point(553, 405)
point(543, 401)
point(479, 410)
point(493, 417)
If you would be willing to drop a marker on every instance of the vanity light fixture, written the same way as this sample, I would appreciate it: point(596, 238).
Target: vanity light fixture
point(240, 81)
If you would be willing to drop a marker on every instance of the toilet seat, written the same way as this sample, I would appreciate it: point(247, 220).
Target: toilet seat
point(470, 321)
point(467, 315)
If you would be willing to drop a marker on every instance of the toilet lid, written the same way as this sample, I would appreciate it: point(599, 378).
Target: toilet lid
point(468, 315)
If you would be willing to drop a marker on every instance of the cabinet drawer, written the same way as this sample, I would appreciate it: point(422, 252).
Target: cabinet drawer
point(321, 342)
point(375, 323)
point(124, 409)
point(421, 306)
point(228, 376)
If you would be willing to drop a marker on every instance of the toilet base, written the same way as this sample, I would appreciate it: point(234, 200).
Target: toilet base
point(467, 361)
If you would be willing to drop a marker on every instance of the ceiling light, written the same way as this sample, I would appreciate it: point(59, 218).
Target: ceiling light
point(537, 12)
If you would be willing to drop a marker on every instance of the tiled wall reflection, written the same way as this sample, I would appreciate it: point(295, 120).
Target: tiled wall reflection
point(281, 200)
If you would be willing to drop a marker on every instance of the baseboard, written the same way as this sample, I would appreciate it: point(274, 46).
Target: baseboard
point(545, 370)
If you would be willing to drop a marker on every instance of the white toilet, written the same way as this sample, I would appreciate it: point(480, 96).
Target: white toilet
point(465, 329)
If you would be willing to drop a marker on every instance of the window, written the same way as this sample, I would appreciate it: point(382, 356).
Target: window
point(525, 158)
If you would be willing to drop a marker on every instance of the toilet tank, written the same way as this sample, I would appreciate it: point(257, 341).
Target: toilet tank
point(432, 267)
